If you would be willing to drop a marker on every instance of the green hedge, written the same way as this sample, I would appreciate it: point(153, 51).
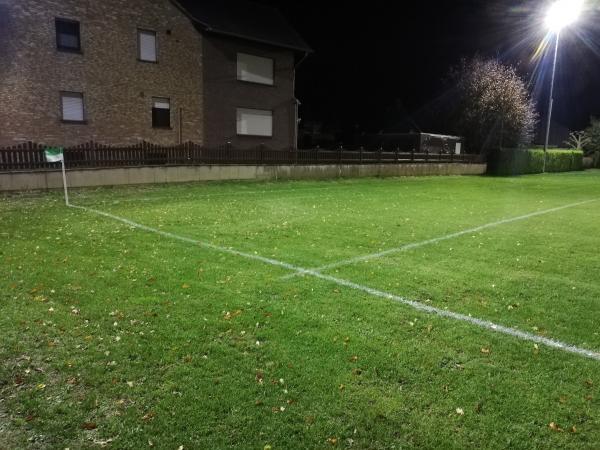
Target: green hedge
point(518, 162)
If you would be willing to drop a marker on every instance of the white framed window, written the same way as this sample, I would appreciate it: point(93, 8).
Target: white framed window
point(72, 106)
point(254, 122)
point(147, 48)
point(255, 69)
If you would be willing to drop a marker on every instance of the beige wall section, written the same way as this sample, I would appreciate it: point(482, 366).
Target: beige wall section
point(22, 181)
point(117, 88)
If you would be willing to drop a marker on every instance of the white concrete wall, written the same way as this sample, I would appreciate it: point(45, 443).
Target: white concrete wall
point(23, 181)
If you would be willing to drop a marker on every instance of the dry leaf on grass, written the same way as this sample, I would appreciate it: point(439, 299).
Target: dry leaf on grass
point(148, 416)
point(230, 315)
point(89, 425)
point(260, 377)
point(554, 427)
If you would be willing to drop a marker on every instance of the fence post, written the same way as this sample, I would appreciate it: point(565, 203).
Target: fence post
point(380, 154)
point(426, 155)
point(412, 155)
point(262, 152)
point(317, 155)
point(397, 154)
point(340, 154)
point(361, 154)
point(440, 155)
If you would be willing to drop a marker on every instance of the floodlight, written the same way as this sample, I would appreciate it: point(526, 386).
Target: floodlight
point(563, 13)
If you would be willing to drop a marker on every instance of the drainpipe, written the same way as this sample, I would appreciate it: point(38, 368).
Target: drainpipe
point(296, 102)
point(180, 126)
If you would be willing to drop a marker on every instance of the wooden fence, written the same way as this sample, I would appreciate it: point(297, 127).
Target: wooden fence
point(30, 156)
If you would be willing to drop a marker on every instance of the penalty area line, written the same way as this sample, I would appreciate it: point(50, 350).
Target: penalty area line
point(516, 333)
point(403, 248)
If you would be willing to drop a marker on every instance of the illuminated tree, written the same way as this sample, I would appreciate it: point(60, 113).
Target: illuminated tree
point(493, 108)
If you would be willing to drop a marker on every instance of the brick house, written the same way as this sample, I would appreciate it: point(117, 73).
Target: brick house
point(163, 71)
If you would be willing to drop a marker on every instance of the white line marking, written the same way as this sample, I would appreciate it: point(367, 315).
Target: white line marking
point(349, 284)
point(177, 237)
point(414, 245)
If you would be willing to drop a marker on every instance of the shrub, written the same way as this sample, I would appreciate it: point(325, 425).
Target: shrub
point(592, 134)
point(518, 162)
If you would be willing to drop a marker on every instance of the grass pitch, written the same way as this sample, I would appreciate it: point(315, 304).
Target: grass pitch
point(119, 337)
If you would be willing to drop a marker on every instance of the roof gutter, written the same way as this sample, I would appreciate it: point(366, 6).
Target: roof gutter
point(306, 53)
point(210, 29)
point(260, 41)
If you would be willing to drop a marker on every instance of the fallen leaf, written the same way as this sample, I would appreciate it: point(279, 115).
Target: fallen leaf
point(185, 286)
point(460, 411)
point(230, 315)
point(554, 427)
point(89, 426)
point(485, 351)
point(332, 440)
point(148, 416)
point(354, 359)
point(259, 377)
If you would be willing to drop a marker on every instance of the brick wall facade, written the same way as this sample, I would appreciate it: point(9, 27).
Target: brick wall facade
point(224, 93)
point(117, 88)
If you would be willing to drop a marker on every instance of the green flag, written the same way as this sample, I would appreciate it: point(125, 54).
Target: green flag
point(54, 154)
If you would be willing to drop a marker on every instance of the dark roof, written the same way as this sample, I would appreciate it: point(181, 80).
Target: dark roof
point(246, 20)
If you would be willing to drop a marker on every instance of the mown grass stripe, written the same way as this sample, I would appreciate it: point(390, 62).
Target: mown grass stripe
point(374, 292)
point(391, 251)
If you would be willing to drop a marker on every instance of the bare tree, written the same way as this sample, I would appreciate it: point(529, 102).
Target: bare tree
point(493, 108)
point(592, 134)
point(577, 140)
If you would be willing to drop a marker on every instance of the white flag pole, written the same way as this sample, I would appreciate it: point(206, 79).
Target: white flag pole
point(64, 177)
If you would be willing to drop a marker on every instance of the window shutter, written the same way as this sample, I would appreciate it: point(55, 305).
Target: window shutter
point(147, 42)
point(162, 103)
point(254, 69)
point(254, 122)
point(72, 107)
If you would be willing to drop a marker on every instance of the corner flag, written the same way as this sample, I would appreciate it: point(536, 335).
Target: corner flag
point(54, 154)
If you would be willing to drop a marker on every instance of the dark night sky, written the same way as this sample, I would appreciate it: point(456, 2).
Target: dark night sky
point(377, 63)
